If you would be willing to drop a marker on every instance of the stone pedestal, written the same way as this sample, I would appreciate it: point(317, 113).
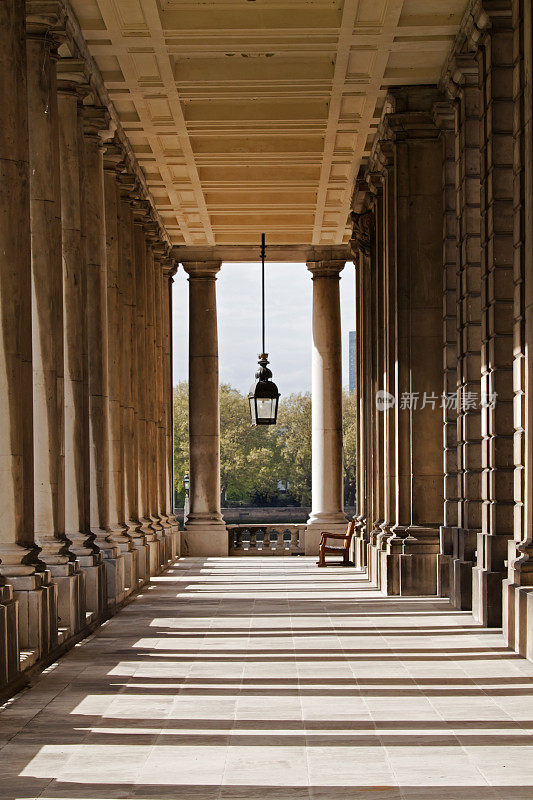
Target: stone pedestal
point(9, 635)
point(71, 607)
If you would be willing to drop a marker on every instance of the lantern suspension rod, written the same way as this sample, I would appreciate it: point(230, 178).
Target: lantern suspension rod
point(263, 253)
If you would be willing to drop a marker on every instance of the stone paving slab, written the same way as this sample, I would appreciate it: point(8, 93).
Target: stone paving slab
point(267, 679)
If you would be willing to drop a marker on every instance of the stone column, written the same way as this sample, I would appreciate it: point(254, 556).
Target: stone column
point(169, 269)
point(95, 121)
point(142, 387)
point(128, 374)
point(361, 244)
point(205, 532)
point(384, 156)
point(464, 88)
point(48, 324)
point(495, 58)
point(327, 454)
point(116, 345)
point(160, 310)
point(444, 115)
point(411, 559)
point(375, 182)
point(46, 395)
point(15, 321)
point(150, 371)
point(518, 587)
point(151, 414)
point(359, 547)
point(71, 87)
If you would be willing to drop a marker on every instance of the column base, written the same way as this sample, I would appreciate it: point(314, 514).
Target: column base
point(114, 571)
point(487, 578)
point(37, 605)
point(70, 596)
point(317, 524)
point(360, 543)
point(444, 561)
point(204, 539)
point(373, 554)
point(517, 617)
point(9, 636)
point(93, 569)
point(462, 564)
point(143, 560)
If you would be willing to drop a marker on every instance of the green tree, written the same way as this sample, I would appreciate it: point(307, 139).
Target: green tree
point(293, 433)
point(181, 438)
point(253, 460)
point(349, 422)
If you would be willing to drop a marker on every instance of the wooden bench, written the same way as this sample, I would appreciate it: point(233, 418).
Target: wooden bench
point(342, 549)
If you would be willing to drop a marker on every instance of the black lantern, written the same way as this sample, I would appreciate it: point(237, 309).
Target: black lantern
point(263, 395)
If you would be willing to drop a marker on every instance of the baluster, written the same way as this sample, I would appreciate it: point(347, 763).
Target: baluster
point(237, 539)
point(293, 542)
point(253, 539)
point(266, 539)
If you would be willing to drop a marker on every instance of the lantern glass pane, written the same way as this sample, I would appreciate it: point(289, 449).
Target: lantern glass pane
point(265, 408)
point(252, 410)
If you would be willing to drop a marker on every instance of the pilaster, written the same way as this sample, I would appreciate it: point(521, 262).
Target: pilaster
point(445, 116)
point(462, 84)
point(495, 59)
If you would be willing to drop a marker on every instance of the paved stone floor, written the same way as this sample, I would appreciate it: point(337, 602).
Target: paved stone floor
point(267, 679)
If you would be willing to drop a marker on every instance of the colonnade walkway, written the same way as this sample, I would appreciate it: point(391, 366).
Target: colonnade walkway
point(269, 679)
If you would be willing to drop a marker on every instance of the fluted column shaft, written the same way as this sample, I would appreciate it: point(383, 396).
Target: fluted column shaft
point(75, 309)
point(128, 358)
point(205, 532)
point(97, 328)
point(15, 288)
point(151, 356)
point(141, 387)
point(47, 291)
point(327, 451)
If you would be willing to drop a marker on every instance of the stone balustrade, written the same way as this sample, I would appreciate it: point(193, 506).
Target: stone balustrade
point(266, 540)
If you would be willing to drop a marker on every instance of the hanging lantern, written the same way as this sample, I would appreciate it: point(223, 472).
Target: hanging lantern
point(263, 395)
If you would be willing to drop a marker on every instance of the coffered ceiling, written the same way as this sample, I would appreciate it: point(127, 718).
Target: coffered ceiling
point(253, 116)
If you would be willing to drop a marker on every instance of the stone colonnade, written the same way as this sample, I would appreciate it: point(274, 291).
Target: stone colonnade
point(205, 532)
point(85, 387)
point(442, 240)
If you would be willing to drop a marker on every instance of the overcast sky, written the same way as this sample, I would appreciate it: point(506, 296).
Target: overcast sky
point(288, 323)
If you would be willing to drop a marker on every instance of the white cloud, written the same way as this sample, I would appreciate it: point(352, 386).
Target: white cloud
point(288, 323)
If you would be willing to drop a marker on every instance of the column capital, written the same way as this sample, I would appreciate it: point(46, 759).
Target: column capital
point(444, 115)
point(374, 179)
point(97, 123)
point(46, 18)
point(362, 231)
point(113, 156)
point(127, 184)
point(140, 208)
point(326, 269)
point(201, 269)
point(461, 71)
point(72, 77)
point(169, 265)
